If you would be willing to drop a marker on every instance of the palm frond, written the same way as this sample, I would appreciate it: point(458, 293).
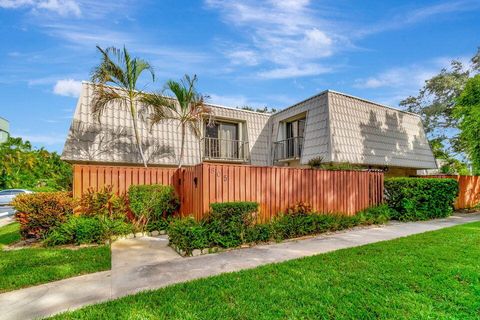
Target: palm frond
point(102, 96)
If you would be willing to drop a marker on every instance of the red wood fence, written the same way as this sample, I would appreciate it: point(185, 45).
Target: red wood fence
point(469, 190)
point(274, 188)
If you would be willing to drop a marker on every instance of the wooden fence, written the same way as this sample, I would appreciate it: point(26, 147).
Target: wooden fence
point(469, 190)
point(274, 188)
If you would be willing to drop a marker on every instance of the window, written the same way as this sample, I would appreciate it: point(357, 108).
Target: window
point(223, 141)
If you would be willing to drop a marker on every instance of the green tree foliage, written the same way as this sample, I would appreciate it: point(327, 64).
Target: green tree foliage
point(467, 112)
point(435, 104)
point(22, 166)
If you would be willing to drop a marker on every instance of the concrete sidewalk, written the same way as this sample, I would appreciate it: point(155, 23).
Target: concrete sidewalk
point(148, 263)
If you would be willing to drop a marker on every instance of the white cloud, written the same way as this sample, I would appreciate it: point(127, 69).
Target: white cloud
point(294, 71)
point(68, 87)
point(420, 14)
point(234, 101)
point(61, 7)
point(399, 77)
point(286, 37)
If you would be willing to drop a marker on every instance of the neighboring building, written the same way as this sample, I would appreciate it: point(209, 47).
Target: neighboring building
point(4, 130)
point(335, 126)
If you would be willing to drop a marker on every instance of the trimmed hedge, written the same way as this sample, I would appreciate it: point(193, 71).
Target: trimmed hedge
point(38, 213)
point(150, 203)
point(227, 222)
point(420, 198)
point(233, 224)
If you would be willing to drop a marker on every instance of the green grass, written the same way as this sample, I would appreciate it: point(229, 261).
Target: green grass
point(33, 266)
point(435, 275)
point(9, 234)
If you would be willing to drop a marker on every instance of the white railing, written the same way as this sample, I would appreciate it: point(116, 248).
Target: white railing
point(224, 149)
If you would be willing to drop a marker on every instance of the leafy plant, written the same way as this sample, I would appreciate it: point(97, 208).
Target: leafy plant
point(151, 203)
point(188, 234)
point(227, 222)
point(315, 163)
point(299, 208)
point(38, 213)
point(420, 198)
point(103, 203)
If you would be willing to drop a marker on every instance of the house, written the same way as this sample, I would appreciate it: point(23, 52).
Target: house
point(4, 130)
point(337, 127)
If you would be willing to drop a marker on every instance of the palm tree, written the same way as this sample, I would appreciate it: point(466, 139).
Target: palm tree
point(181, 102)
point(117, 76)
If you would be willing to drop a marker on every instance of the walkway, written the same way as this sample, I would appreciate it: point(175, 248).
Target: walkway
point(148, 263)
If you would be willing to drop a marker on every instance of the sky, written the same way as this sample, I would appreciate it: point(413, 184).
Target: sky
point(244, 52)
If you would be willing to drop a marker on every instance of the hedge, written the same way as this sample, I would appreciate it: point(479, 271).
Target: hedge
point(38, 213)
point(420, 198)
point(152, 202)
point(233, 224)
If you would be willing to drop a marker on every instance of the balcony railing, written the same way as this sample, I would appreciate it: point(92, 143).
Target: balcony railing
point(289, 149)
point(225, 149)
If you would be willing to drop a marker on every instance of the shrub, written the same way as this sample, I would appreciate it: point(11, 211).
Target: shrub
point(187, 234)
point(315, 163)
point(152, 202)
point(375, 215)
point(420, 198)
point(87, 230)
point(103, 203)
point(258, 233)
point(227, 222)
point(77, 230)
point(38, 213)
point(299, 208)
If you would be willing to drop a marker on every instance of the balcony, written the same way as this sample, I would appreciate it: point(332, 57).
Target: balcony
point(289, 149)
point(215, 149)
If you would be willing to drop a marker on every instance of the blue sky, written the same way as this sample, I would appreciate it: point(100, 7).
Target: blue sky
point(257, 53)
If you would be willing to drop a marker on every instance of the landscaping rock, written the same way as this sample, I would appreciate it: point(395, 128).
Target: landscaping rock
point(196, 252)
point(155, 233)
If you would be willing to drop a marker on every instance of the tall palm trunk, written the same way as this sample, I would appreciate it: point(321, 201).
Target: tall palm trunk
point(133, 111)
point(182, 145)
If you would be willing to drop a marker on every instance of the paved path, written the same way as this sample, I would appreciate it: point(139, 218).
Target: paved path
point(148, 263)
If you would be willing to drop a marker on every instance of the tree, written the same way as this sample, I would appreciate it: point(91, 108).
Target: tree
point(22, 166)
point(180, 102)
point(116, 77)
point(436, 101)
point(467, 112)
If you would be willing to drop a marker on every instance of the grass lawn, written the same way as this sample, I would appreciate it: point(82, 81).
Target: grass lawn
point(32, 266)
point(435, 275)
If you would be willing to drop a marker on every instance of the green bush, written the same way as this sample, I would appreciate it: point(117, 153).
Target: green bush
point(77, 230)
point(150, 203)
point(227, 222)
point(233, 224)
point(38, 213)
point(375, 215)
point(258, 233)
point(188, 234)
point(420, 198)
point(87, 230)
